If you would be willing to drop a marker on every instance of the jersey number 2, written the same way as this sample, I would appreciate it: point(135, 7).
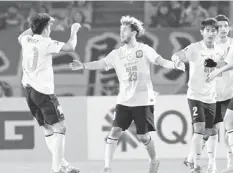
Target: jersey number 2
point(32, 62)
point(195, 111)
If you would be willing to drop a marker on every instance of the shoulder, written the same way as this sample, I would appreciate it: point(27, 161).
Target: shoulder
point(25, 38)
point(114, 52)
point(193, 46)
point(146, 47)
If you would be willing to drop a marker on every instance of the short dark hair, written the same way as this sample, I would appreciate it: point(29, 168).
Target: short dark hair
point(38, 22)
point(209, 22)
point(221, 17)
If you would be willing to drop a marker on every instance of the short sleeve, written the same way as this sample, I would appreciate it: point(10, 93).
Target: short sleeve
point(23, 39)
point(188, 53)
point(151, 54)
point(110, 60)
point(55, 46)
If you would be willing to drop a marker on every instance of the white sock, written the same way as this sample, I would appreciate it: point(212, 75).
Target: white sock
point(58, 151)
point(111, 145)
point(229, 158)
point(197, 148)
point(230, 139)
point(49, 142)
point(211, 149)
point(205, 139)
point(190, 156)
point(151, 149)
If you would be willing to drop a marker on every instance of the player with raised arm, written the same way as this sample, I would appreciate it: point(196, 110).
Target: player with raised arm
point(202, 57)
point(228, 118)
point(38, 81)
point(136, 98)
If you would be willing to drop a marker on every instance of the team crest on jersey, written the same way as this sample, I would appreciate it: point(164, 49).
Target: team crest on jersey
point(139, 54)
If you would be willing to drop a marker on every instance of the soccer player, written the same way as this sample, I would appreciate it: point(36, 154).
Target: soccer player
point(136, 99)
point(228, 118)
point(38, 81)
point(224, 94)
point(202, 57)
point(224, 80)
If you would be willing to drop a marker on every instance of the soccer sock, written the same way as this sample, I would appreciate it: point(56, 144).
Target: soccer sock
point(49, 142)
point(205, 139)
point(151, 149)
point(197, 148)
point(111, 145)
point(230, 139)
point(58, 150)
point(211, 149)
point(229, 152)
point(229, 158)
point(190, 156)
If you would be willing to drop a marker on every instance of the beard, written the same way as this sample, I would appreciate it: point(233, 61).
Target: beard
point(127, 40)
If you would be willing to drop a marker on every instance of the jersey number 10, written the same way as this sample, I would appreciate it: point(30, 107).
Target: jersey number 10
point(32, 61)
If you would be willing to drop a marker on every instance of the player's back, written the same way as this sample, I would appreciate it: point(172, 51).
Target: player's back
point(37, 63)
point(200, 68)
point(133, 70)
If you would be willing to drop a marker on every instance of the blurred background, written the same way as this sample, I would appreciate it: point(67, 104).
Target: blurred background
point(170, 25)
point(88, 97)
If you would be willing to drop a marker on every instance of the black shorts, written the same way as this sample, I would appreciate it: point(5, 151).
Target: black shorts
point(143, 117)
point(45, 108)
point(202, 112)
point(230, 105)
point(221, 107)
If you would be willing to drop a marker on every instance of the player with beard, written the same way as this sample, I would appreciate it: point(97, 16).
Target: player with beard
point(136, 98)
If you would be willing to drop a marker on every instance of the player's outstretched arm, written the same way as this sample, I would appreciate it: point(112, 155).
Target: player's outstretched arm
point(170, 64)
point(105, 63)
point(179, 57)
point(27, 32)
point(157, 59)
point(71, 43)
point(94, 65)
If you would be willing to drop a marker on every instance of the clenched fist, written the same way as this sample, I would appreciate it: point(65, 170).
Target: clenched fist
point(75, 27)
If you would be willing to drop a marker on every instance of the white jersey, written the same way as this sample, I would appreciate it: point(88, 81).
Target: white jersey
point(225, 79)
point(132, 66)
point(198, 88)
point(37, 62)
point(229, 58)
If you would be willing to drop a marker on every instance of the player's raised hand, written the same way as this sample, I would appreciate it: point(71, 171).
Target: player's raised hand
point(212, 75)
point(76, 65)
point(75, 27)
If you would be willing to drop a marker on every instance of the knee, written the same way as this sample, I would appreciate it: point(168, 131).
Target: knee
point(144, 138)
point(115, 133)
point(48, 130)
point(228, 125)
point(214, 131)
point(59, 128)
point(228, 122)
point(199, 128)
